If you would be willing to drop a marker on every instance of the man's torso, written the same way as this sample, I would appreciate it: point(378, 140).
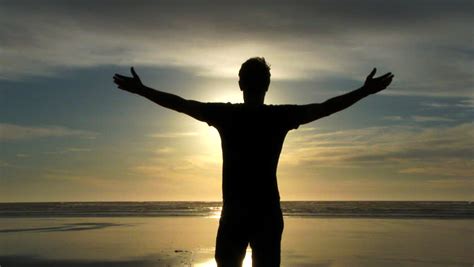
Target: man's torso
point(252, 139)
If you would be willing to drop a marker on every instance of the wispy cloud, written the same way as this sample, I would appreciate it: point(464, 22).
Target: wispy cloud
point(452, 183)
point(419, 118)
point(10, 132)
point(393, 118)
point(453, 168)
point(430, 119)
point(467, 103)
point(68, 150)
point(78, 149)
point(4, 164)
point(164, 150)
point(174, 135)
point(435, 105)
point(445, 151)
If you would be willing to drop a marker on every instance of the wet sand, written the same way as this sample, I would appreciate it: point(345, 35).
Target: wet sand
point(186, 241)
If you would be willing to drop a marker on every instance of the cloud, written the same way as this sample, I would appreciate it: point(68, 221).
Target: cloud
point(426, 44)
point(443, 168)
point(430, 119)
point(393, 118)
point(12, 132)
point(444, 151)
point(418, 118)
point(79, 178)
point(452, 183)
point(164, 150)
point(467, 103)
point(78, 149)
point(435, 105)
point(174, 135)
point(68, 150)
point(4, 164)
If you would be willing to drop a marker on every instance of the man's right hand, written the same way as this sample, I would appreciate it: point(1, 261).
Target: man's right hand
point(130, 84)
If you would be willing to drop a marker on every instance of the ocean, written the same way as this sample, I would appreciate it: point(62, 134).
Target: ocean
point(316, 233)
point(338, 209)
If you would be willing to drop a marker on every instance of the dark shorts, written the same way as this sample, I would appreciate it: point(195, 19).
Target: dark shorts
point(262, 230)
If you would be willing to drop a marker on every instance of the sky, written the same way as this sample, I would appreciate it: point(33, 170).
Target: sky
point(68, 134)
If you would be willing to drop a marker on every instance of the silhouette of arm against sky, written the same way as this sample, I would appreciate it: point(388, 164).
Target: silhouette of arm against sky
point(371, 86)
point(304, 114)
point(134, 85)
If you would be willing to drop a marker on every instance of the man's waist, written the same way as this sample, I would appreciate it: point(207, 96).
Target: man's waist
point(252, 203)
point(244, 210)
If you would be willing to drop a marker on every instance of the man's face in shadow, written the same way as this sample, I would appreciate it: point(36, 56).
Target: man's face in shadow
point(254, 80)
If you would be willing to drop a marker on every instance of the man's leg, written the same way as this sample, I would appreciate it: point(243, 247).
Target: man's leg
point(266, 241)
point(231, 242)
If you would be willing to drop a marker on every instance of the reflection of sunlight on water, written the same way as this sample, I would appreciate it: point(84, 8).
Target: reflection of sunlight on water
point(212, 263)
point(215, 213)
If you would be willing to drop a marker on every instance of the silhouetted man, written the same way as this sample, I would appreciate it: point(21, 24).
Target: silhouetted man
point(252, 136)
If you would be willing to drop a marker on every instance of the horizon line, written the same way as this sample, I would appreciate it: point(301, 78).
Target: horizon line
point(217, 201)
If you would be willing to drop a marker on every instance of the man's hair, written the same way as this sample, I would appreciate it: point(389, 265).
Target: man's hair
point(255, 73)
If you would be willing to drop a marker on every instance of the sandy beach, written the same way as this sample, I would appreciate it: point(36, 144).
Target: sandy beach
point(189, 241)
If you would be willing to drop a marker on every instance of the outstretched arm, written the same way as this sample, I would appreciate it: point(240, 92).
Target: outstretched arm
point(371, 86)
point(134, 85)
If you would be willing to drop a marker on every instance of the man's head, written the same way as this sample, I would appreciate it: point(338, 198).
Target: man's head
point(254, 80)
